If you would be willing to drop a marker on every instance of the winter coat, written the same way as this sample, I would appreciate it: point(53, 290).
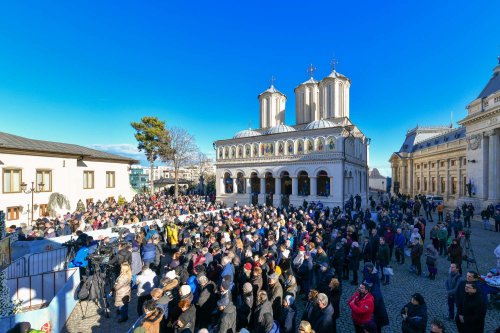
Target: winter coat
point(227, 320)
point(309, 310)
point(474, 311)
point(151, 322)
point(455, 253)
point(432, 254)
point(158, 254)
point(416, 251)
point(416, 322)
point(383, 255)
point(206, 303)
point(122, 290)
point(263, 318)
point(145, 282)
point(288, 322)
point(379, 312)
point(400, 240)
point(188, 318)
point(354, 256)
point(122, 256)
point(362, 308)
point(136, 265)
point(245, 307)
point(334, 299)
point(323, 320)
point(452, 283)
point(149, 253)
point(276, 299)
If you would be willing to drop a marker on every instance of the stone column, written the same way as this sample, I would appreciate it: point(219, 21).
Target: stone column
point(277, 187)
point(235, 185)
point(314, 185)
point(248, 186)
point(295, 186)
point(331, 186)
point(493, 166)
point(262, 195)
point(222, 186)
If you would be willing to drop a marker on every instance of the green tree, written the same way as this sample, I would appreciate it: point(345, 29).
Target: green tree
point(154, 139)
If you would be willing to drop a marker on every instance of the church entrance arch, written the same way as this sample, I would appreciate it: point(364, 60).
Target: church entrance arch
point(255, 183)
point(286, 188)
point(304, 183)
point(269, 190)
point(323, 187)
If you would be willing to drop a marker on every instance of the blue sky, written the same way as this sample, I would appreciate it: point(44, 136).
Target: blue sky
point(81, 71)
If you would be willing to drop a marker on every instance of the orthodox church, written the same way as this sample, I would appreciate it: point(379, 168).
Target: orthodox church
point(322, 158)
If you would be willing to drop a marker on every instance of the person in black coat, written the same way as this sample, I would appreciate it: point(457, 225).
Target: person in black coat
point(245, 306)
point(472, 311)
point(288, 323)
point(334, 294)
point(414, 315)
point(354, 258)
point(263, 320)
point(323, 320)
point(206, 301)
point(379, 313)
point(227, 320)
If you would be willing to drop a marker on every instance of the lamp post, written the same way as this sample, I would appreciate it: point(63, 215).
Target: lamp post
point(32, 190)
point(349, 129)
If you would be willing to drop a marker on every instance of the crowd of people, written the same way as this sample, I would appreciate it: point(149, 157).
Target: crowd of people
point(245, 269)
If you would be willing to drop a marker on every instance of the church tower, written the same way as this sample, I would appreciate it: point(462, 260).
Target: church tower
point(334, 95)
point(307, 107)
point(272, 107)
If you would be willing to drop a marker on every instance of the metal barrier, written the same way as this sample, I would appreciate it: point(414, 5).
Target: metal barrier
point(17, 268)
point(37, 291)
point(47, 261)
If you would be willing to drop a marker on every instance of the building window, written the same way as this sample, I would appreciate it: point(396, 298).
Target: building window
point(425, 184)
point(43, 210)
point(453, 162)
point(418, 184)
point(453, 185)
point(110, 179)
point(443, 185)
point(44, 177)
point(442, 164)
point(432, 165)
point(465, 161)
point(13, 213)
point(433, 185)
point(418, 166)
point(88, 179)
point(12, 179)
point(425, 166)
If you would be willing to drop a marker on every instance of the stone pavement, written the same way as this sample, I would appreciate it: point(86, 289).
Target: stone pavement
point(396, 294)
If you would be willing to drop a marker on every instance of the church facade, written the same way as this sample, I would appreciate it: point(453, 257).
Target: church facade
point(323, 157)
point(461, 164)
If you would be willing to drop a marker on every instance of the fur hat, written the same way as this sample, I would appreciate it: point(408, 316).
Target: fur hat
point(185, 290)
point(247, 288)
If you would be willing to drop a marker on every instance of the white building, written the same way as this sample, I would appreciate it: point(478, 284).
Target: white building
point(324, 157)
point(377, 182)
point(74, 171)
point(461, 164)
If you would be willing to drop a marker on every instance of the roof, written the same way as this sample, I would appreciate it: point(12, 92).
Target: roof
point(322, 123)
point(271, 90)
point(311, 80)
point(11, 141)
point(280, 129)
point(493, 84)
point(424, 137)
point(245, 134)
point(336, 75)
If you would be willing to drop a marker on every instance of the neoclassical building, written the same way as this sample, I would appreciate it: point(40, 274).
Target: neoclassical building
point(462, 164)
point(323, 157)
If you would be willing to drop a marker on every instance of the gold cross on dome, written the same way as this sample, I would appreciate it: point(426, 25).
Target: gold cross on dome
point(311, 70)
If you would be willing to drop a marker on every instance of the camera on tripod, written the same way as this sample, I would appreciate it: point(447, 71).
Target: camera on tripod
point(71, 243)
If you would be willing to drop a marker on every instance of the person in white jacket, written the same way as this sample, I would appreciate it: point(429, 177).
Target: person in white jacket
point(145, 281)
point(497, 254)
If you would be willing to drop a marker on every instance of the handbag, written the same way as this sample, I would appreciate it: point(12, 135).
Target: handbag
point(388, 271)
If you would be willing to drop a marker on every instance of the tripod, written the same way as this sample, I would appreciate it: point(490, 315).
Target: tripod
point(96, 287)
point(469, 252)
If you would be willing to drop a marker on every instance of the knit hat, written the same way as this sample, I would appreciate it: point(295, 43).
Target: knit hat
point(248, 266)
point(185, 290)
point(273, 276)
point(419, 298)
point(301, 248)
point(247, 288)
point(171, 275)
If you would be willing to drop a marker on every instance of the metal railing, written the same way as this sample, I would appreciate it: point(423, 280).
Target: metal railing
point(17, 268)
point(37, 291)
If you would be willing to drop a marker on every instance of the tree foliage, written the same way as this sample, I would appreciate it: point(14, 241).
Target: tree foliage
point(153, 139)
point(183, 152)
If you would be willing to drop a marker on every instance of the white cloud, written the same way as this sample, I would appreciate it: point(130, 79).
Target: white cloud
point(119, 148)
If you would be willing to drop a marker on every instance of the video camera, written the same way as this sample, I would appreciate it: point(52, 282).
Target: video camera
point(71, 243)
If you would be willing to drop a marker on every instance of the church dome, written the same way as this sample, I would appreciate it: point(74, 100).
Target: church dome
point(280, 129)
point(336, 75)
point(245, 134)
point(322, 123)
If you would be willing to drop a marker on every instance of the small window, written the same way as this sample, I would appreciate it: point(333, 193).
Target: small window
point(88, 179)
point(418, 166)
point(44, 177)
point(110, 179)
point(453, 162)
point(13, 213)
point(12, 179)
point(442, 164)
point(465, 161)
point(425, 166)
point(432, 165)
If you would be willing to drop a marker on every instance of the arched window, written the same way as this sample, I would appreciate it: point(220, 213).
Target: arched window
point(304, 183)
point(323, 184)
point(228, 183)
point(240, 183)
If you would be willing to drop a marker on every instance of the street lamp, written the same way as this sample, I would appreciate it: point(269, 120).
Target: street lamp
point(32, 190)
point(349, 129)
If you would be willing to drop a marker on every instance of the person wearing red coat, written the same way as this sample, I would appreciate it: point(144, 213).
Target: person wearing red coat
point(361, 304)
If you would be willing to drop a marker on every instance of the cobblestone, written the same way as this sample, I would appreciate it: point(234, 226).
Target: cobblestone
point(396, 294)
